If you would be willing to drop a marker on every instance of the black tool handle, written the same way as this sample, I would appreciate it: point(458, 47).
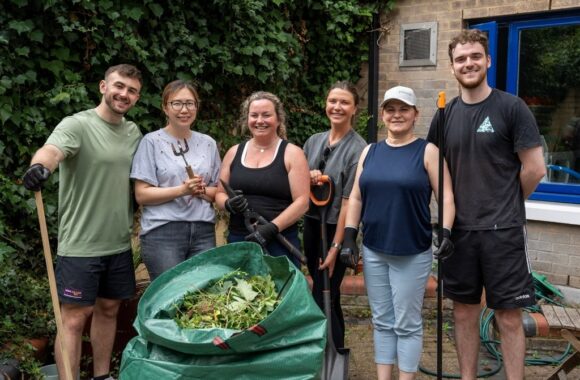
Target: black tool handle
point(248, 215)
point(440, 142)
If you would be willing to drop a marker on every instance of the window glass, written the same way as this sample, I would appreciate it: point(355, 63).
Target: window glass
point(549, 82)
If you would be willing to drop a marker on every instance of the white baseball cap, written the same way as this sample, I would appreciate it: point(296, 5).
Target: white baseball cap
point(404, 94)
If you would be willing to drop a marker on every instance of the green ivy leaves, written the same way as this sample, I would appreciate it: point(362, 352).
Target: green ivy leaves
point(50, 67)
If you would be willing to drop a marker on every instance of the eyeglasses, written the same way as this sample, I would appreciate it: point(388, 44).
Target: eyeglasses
point(325, 154)
point(177, 105)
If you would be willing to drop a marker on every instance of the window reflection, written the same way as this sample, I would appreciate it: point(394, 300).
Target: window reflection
point(549, 82)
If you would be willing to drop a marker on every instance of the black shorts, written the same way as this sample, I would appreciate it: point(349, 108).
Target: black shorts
point(80, 280)
point(496, 260)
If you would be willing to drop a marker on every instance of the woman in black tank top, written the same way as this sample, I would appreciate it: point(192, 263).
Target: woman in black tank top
point(271, 174)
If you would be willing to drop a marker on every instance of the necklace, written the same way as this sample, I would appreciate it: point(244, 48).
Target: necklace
point(262, 149)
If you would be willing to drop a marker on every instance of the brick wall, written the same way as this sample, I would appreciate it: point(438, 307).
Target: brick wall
point(450, 16)
point(554, 248)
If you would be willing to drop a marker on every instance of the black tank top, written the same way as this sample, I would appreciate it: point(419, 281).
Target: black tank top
point(267, 189)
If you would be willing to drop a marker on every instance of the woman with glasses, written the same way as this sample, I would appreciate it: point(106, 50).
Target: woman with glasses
point(176, 171)
point(270, 175)
point(335, 153)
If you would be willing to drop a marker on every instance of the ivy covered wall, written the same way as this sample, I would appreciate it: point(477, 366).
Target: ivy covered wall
point(53, 54)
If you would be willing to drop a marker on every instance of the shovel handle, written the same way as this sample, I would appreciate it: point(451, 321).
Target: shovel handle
point(322, 202)
point(52, 282)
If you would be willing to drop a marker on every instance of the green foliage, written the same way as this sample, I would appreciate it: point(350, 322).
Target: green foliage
point(550, 58)
point(50, 67)
point(235, 301)
point(26, 305)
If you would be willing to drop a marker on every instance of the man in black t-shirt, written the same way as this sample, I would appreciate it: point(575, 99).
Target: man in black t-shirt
point(493, 148)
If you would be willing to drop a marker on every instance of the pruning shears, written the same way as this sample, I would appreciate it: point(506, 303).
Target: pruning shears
point(252, 219)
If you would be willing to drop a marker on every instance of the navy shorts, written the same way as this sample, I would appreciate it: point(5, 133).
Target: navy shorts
point(80, 280)
point(496, 260)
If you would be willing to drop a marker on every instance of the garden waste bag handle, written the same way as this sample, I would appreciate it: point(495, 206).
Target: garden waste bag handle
point(52, 282)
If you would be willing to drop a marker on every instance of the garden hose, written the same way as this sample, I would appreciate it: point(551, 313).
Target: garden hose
point(544, 292)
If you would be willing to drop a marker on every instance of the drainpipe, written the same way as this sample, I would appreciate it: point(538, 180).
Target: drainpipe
point(373, 87)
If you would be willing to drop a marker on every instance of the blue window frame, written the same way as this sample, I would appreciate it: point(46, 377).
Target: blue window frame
point(509, 40)
point(491, 29)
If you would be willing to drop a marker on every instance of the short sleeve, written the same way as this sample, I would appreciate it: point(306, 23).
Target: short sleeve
point(143, 167)
point(432, 134)
point(526, 132)
point(348, 179)
point(215, 170)
point(67, 136)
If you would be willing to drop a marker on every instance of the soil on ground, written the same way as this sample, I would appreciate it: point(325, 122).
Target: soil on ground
point(359, 338)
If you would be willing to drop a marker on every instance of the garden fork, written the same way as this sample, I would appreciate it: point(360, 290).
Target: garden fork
point(181, 152)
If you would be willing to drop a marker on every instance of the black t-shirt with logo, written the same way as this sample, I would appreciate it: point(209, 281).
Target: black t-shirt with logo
point(481, 142)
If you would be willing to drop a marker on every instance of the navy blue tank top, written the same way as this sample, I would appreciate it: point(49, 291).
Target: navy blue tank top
point(267, 189)
point(396, 192)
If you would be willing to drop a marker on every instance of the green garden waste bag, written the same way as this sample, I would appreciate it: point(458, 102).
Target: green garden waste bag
point(143, 361)
point(292, 335)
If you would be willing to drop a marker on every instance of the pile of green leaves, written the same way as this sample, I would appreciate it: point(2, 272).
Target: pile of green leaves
point(236, 301)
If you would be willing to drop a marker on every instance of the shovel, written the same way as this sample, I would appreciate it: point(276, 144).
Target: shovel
point(52, 283)
point(335, 366)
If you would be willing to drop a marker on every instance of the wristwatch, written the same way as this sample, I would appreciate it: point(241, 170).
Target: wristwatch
point(336, 245)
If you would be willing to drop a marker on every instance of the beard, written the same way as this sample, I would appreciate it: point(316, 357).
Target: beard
point(110, 102)
point(472, 82)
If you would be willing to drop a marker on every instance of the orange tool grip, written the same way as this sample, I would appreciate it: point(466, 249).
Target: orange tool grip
point(441, 100)
point(322, 202)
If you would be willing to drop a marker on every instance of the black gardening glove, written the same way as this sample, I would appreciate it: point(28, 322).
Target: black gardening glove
point(446, 248)
point(237, 204)
point(349, 251)
point(35, 176)
point(263, 234)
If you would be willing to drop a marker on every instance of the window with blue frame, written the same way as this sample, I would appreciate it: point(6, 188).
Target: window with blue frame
point(537, 57)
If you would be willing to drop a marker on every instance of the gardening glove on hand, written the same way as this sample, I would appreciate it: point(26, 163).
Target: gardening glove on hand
point(446, 248)
point(35, 176)
point(237, 204)
point(263, 234)
point(349, 251)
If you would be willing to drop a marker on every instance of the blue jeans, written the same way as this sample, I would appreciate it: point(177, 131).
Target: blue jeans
point(395, 288)
point(274, 247)
point(170, 244)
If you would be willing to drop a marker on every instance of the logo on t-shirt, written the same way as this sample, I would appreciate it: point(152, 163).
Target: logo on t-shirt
point(485, 127)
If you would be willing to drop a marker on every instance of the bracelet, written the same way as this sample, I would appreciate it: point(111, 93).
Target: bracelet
point(336, 245)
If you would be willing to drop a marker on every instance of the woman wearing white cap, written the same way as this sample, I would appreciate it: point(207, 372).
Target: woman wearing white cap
point(391, 194)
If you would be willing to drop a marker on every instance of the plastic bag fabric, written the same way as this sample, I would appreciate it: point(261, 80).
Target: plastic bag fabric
point(142, 361)
point(296, 321)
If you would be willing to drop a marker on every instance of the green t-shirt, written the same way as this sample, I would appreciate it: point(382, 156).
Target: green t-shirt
point(95, 207)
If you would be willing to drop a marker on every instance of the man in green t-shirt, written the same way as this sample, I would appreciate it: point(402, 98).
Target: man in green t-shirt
point(93, 150)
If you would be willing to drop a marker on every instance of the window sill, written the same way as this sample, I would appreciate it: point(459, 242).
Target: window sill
point(563, 213)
